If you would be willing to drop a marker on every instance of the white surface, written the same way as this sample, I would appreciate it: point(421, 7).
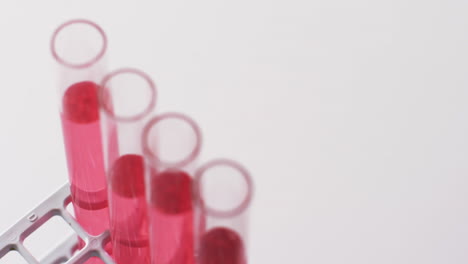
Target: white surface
point(351, 115)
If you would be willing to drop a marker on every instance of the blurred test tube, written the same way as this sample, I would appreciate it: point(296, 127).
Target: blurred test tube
point(127, 98)
point(79, 48)
point(171, 142)
point(223, 191)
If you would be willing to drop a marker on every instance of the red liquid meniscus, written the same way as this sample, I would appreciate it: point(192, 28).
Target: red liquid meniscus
point(83, 144)
point(128, 210)
point(221, 245)
point(171, 218)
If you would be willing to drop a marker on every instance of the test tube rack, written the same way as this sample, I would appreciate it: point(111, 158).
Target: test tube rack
point(66, 253)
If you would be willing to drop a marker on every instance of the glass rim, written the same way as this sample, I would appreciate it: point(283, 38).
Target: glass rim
point(91, 61)
point(154, 159)
point(106, 108)
point(241, 207)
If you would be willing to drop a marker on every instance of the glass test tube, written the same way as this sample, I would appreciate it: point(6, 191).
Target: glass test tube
point(223, 191)
point(127, 98)
point(79, 48)
point(171, 143)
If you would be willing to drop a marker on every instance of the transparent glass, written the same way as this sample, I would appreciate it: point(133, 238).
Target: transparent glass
point(222, 191)
point(171, 144)
point(127, 97)
point(79, 48)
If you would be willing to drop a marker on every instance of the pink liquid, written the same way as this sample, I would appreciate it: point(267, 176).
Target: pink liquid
point(221, 245)
point(128, 210)
point(83, 145)
point(171, 217)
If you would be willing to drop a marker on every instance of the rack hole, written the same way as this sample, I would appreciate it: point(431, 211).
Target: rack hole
point(13, 257)
point(50, 235)
point(94, 260)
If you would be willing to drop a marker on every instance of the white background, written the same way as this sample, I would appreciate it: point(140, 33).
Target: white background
point(351, 115)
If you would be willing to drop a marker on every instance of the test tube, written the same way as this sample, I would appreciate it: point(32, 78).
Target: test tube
point(127, 98)
point(222, 191)
point(79, 48)
point(171, 143)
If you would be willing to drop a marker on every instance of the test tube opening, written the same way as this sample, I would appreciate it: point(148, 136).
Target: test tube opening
point(78, 43)
point(223, 188)
point(171, 140)
point(127, 95)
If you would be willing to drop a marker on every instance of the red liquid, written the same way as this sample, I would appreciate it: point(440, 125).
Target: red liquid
point(171, 218)
point(83, 144)
point(221, 246)
point(128, 210)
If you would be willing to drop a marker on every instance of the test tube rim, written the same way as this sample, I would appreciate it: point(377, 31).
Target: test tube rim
point(147, 110)
point(86, 64)
point(199, 201)
point(154, 159)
